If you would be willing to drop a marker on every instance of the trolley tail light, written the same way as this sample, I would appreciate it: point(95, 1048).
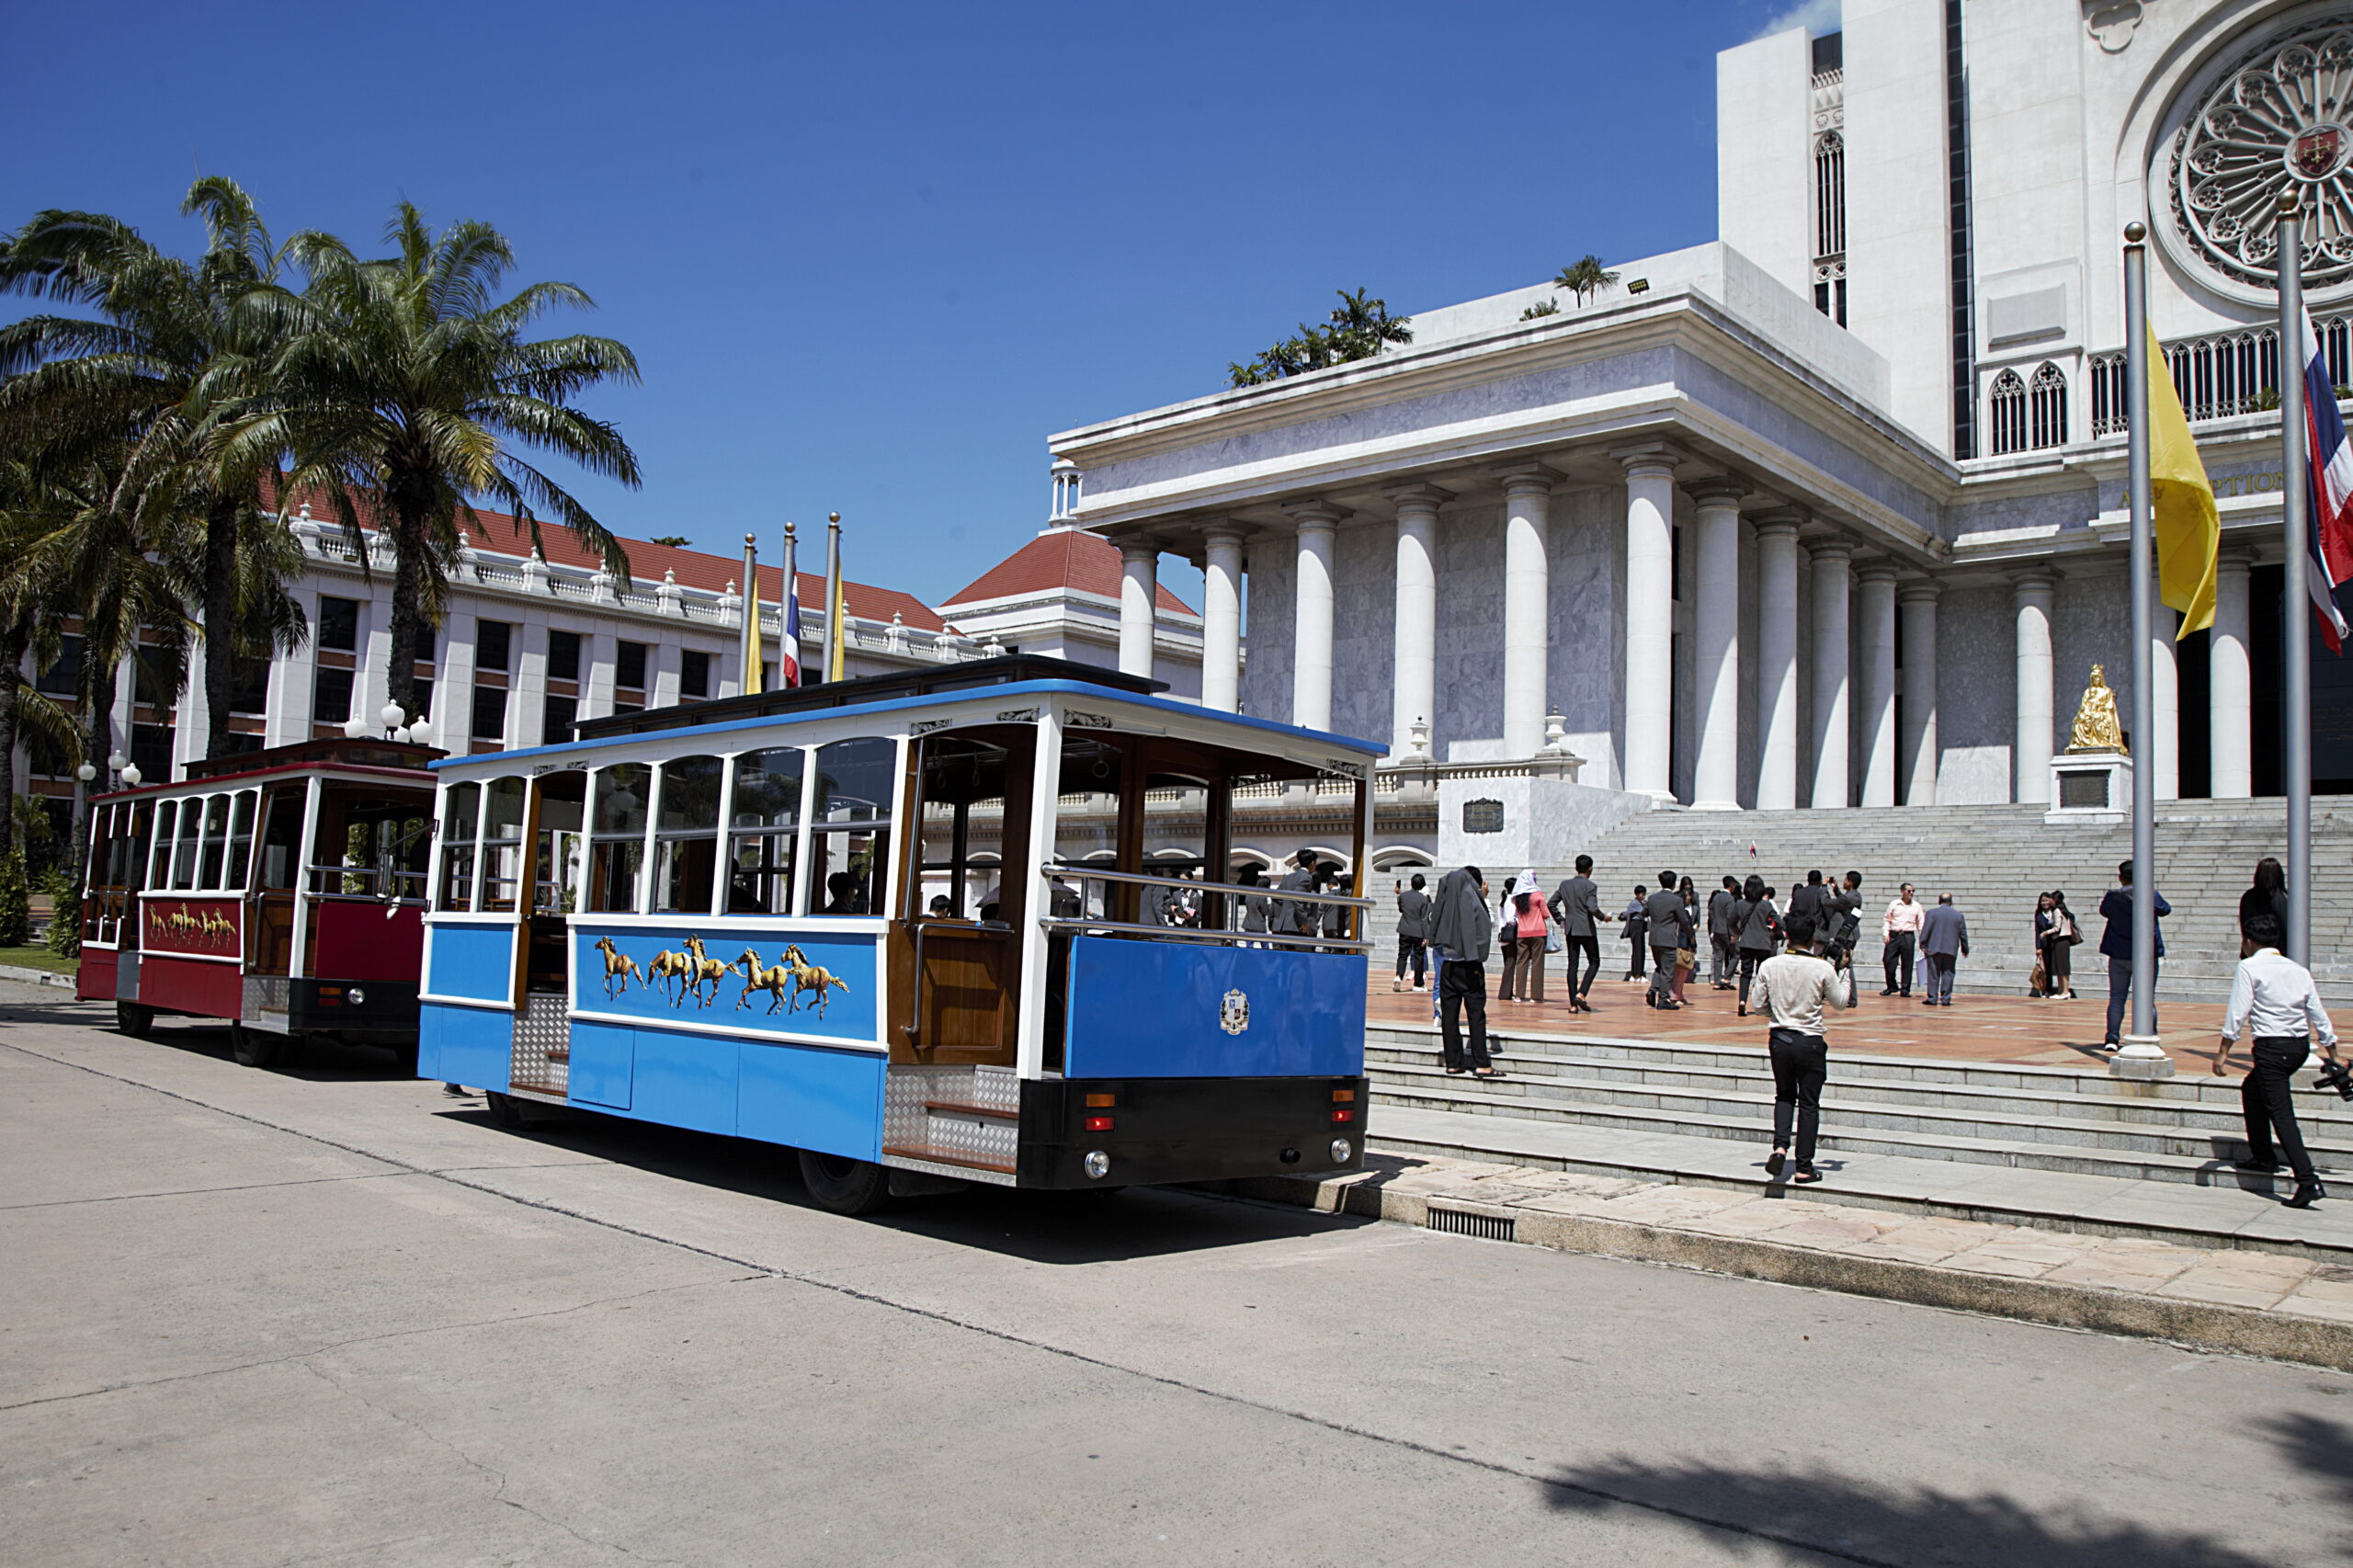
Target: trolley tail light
point(1341, 1114)
point(1098, 1124)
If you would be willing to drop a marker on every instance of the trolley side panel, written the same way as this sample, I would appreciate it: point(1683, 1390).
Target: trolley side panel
point(683, 1080)
point(602, 1057)
point(94, 981)
point(357, 941)
point(808, 1097)
point(474, 962)
point(1191, 1010)
point(465, 1045)
point(191, 985)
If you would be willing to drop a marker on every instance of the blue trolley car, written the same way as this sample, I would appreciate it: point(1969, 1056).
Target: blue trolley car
point(976, 924)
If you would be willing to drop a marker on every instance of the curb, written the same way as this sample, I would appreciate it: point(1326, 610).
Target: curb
point(2277, 1336)
point(35, 976)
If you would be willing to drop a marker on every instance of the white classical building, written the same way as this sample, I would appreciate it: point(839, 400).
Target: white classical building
point(1829, 512)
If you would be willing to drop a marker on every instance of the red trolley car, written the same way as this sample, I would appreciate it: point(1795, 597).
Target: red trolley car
point(281, 890)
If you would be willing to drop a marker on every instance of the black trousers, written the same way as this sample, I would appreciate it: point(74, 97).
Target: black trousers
point(1896, 957)
point(2271, 1113)
point(1411, 950)
point(1801, 1064)
point(1462, 984)
point(1634, 950)
point(1590, 946)
point(1749, 959)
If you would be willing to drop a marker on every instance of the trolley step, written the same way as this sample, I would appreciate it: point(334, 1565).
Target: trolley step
point(959, 1108)
point(947, 1157)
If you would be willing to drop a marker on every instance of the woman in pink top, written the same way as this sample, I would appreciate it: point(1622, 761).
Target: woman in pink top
point(1531, 918)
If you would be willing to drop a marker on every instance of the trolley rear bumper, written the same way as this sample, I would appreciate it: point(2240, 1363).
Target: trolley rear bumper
point(377, 1011)
point(1184, 1130)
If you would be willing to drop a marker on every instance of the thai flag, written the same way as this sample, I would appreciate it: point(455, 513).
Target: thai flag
point(2328, 459)
point(787, 654)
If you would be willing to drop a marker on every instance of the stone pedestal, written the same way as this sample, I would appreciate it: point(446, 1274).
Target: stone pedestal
point(2090, 787)
point(1503, 823)
point(2140, 1060)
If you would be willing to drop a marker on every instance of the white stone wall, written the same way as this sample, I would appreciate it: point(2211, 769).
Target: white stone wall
point(1765, 156)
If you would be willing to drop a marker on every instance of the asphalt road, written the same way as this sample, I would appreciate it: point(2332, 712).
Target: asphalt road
point(328, 1316)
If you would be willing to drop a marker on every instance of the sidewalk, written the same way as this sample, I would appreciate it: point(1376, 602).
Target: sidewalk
point(2290, 1309)
point(2014, 1029)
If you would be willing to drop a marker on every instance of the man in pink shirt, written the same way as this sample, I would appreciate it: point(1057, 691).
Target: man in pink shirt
point(1901, 933)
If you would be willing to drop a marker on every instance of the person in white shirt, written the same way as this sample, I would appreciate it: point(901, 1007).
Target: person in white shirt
point(2273, 998)
point(1899, 931)
point(1793, 988)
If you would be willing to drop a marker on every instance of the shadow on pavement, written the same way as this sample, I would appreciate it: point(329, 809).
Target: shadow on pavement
point(1846, 1519)
point(1060, 1228)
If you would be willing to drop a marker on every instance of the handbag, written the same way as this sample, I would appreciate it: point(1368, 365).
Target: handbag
point(1687, 958)
point(2040, 980)
point(1551, 939)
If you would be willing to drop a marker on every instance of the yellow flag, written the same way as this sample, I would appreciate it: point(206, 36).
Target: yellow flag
point(836, 645)
point(2188, 529)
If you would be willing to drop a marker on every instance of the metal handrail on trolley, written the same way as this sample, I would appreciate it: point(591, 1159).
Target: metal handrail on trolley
point(1224, 936)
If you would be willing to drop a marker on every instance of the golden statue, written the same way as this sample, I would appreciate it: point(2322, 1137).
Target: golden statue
point(2095, 725)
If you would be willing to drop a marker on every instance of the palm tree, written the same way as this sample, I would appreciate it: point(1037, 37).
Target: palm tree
point(32, 507)
point(409, 391)
point(179, 348)
point(1585, 277)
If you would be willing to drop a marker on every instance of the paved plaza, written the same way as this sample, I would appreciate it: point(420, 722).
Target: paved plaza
point(331, 1315)
point(2014, 1029)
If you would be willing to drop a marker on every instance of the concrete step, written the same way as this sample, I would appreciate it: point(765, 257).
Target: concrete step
point(2223, 1211)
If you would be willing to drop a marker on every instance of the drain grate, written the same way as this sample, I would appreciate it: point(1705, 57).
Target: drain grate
point(1470, 1223)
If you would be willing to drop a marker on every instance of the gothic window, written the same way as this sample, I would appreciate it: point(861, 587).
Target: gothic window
point(1830, 225)
point(2006, 411)
point(2047, 407)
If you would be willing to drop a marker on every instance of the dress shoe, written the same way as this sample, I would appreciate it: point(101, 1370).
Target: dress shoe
point(2307, 1193)
point(1889, 991)
point(1670, 1006)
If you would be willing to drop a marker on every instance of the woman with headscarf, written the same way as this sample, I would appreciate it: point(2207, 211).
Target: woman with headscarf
point(1461, 930)
point(1531, 918)
point(1508, 939)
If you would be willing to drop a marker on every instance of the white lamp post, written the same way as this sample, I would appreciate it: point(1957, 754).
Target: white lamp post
point(392, 719)
point(86, 773)
point(117, 761)
point(130, 774)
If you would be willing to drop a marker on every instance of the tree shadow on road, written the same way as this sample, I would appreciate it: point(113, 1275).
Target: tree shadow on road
point(1817, 1516)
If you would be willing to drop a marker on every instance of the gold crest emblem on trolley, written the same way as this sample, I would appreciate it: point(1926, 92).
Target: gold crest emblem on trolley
point(1233, 1014)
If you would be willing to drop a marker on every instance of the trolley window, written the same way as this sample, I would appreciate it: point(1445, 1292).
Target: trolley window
point(370, 845)
point(765, 823)
point(555, 875)
point(502, 845)
point(457, 827)
point(184, 844)
point(964, 831)
point(617, 837)
point(210, 863)
point(240, 838)
point(159, 869)
point(282, 836)
point(685, 835)
point(849, 846)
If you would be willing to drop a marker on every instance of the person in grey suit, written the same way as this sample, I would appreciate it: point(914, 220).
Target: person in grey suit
point(1576, 905)
point(1944, 942)
point(1722, 960)
point(1413, 932)
point(1670, 929)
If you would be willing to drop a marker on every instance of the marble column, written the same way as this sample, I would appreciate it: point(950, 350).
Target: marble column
point(1875, 594)
point(2164, 697)
point(2031, 599)
point(1715, 776)
point(1139, 605)
point(1918, 747)
point(1777, 661)
point(1222, 619)
point(2231, 685)
point(1527, 579)
point(1650, 622)
point(1311, 676)
point(1416, 682)
point(1833, 577)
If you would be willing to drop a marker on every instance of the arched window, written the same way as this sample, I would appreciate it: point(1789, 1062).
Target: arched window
point(2007, 409)
point(2047, 411)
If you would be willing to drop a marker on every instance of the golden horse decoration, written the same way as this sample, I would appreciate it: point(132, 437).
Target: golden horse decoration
point(774, 978)
point(705, 971)
point(666, 966)
point(809, 977)
point(618, 967)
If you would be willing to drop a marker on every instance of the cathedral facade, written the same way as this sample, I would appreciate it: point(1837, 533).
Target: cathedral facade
point(1829, 512)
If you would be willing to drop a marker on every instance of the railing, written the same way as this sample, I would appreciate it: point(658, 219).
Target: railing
point(1222, 936)
point(2221, 375)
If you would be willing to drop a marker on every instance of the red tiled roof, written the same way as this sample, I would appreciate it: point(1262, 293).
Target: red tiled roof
point(500, 534)
point(1059, 558)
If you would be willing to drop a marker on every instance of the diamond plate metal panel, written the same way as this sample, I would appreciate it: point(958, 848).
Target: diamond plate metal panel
point(542, 1048)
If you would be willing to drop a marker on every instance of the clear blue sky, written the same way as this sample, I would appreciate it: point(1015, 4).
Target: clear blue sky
point(870, 255)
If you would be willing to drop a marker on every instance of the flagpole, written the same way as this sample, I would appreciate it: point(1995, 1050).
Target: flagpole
point(2140, 1045)
point(788, 634)
point(752, 638)
point(834, 641)
point(2296, 608)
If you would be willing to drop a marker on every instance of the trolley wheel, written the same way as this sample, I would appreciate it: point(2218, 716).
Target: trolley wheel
point(255, 1048)
point(843, 1186)
point(134, 1020)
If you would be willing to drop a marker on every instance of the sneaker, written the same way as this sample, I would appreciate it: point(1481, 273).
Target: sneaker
point(2110, 1045)
point(454, 1090)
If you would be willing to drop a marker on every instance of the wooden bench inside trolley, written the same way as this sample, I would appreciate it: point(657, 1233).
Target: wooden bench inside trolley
point(971, 925)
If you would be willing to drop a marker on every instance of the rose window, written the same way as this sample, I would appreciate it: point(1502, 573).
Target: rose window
point(2279, 118)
